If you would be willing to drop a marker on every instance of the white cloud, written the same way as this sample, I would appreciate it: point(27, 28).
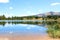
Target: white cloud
point(4, 1)
point(8, 15)
point(54, 4)
point(10, 8)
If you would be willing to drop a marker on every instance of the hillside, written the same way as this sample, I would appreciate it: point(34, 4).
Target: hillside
point(41, 16)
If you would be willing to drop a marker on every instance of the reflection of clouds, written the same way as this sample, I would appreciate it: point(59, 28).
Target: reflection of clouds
point(32, 26)
point(42, 29)
point(28, 27)
point(39, 28)
point(24, 25)
point(0, 26)
point(8, 25)
point(21, 25)
point(11, 32)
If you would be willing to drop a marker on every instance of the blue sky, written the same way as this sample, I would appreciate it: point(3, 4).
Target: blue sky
point(28, 7)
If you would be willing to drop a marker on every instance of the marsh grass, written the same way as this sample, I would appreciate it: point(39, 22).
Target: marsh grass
point(54, 31)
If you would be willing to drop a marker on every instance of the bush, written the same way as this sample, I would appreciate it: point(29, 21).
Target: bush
point(54, 31)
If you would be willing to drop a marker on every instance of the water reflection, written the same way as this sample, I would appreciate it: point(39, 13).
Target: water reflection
point(2, 23)
point(12, 28)
point(29, 22)
point(13, 22)
point(22, 28)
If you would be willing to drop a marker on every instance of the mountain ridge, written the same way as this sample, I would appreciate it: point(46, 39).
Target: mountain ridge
point(49, 13)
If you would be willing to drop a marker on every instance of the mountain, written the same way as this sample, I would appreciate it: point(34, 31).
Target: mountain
point(48, 13)
point(52, 13)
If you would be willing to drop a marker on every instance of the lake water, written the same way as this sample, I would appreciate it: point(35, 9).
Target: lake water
point(22, 30)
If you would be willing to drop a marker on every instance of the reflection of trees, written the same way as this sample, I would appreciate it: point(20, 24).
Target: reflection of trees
point(2, 23)
point(30, 22)
point(22, 22)
point(51, 22)
point(54, 29)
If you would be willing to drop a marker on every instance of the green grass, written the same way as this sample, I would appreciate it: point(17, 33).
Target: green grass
point(54, 31)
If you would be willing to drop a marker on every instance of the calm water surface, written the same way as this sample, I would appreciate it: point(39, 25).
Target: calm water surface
point(26, 30)
point(21, 30)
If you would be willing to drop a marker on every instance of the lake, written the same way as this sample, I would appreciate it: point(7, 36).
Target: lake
point(17, 30)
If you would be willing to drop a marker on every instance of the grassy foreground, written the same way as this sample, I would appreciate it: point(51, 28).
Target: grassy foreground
point(54, 31)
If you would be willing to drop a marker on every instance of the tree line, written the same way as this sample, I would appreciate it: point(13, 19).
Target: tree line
point(29, 17)
point(18, 18)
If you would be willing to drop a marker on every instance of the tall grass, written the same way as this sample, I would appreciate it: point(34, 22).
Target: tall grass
point(54, 31)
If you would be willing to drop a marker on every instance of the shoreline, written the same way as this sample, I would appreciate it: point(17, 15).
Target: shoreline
point(29, 37)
